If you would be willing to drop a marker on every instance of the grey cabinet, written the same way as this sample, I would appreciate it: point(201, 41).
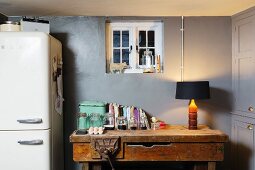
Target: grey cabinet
point(244, 65)
point(243, 143)
point(243, 82)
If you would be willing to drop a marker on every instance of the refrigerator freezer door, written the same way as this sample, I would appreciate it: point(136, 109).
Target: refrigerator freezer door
point(25, 150)
point(25, 81)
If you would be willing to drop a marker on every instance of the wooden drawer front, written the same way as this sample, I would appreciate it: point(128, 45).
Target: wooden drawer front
point(85, 152)
point(174, 152)
point(82, 152)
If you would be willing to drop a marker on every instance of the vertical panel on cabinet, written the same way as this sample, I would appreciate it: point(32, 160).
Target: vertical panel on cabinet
point(244, 84)
point(243, 36)
point(244, 31)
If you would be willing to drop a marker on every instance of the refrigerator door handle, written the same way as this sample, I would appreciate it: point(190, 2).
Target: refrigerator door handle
point(31, 142)
point(30, 121)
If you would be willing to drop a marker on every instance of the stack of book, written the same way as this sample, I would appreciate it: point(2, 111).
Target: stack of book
point(128, 112)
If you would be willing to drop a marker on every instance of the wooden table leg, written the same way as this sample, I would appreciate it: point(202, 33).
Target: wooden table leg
point(211, 165)
point(200, 166)
point(91, 166)
point(85, 166)
point(205, 166)
point(95, 166)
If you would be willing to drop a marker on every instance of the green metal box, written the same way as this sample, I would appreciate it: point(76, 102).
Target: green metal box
point(89, 107)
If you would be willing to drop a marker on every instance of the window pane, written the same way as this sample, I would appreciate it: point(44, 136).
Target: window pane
point(125, 38)
point(125, 56)
point(116, 38)
point(141, 61)
point(142, 38)
point(151, 39)
point(153, 55)
point(116, 56)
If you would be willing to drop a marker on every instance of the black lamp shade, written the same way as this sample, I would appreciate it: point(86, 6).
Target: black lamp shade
point(192, 90)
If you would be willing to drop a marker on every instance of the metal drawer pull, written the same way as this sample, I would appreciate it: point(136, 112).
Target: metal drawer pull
point(148, 144)
point(30, 121)
point(251, 109)
point(152, 146)
point(31, 142)
point(250, 127)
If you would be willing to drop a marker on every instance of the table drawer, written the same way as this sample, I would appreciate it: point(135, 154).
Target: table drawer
point(85, 152)
point(165, 151)
point(82, 152)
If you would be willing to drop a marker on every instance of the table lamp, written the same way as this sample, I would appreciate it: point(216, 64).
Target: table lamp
point(192, 90)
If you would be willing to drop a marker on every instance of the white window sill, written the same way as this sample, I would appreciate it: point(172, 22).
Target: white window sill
point(133, 70)
point(137, 70)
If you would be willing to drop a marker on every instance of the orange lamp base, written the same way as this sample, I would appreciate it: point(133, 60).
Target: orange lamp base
point(192, 115)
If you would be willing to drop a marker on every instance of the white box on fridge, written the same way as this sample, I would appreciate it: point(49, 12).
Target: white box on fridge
point(31, 120)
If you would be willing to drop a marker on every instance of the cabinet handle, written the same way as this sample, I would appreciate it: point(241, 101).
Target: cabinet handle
point(251, 109)
point(31, 142)
point(250, 127)
point(30, 121)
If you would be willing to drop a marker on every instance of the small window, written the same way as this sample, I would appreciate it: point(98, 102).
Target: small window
point(120, 46)
point(134, 47)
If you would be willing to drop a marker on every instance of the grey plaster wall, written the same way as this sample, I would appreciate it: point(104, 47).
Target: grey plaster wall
point(207, 51)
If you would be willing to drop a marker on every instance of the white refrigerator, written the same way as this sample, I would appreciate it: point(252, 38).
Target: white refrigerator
point(31, 120)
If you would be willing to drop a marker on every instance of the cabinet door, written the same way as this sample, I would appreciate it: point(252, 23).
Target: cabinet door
point(243, 139)
point(244, 64)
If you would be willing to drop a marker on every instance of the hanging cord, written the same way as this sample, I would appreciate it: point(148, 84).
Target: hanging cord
point(182, 49)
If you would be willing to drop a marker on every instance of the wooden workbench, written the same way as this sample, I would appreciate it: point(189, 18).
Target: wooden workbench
point(204, 146)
